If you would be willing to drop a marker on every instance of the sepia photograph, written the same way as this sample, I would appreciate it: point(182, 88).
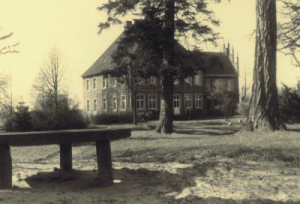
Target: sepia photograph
point(150, 101)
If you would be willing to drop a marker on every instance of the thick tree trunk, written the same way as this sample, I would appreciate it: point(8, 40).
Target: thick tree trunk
point(165, 124)
point(264, 110)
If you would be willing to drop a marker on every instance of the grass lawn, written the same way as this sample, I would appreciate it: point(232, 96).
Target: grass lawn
point(210, 138)
point(203, 161)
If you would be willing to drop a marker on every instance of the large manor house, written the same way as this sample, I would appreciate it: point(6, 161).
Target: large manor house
point(106, 95)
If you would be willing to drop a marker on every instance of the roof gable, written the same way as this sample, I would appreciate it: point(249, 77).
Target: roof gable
point(212, 63)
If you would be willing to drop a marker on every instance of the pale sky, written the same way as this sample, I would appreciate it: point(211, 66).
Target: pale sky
point(71, 26)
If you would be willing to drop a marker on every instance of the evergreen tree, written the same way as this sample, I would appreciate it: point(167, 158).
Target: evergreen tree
point(264, 108)
point(148, 47)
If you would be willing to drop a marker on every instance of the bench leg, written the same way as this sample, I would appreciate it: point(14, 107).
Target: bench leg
point(5, 167)
point(66, 156)
point(104, 162)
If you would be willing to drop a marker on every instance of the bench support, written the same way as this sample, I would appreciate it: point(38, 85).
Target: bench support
point(5, 167)
point(104, 162)
point(66, 156)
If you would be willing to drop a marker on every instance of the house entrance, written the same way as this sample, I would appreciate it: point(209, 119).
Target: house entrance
point(176, 104)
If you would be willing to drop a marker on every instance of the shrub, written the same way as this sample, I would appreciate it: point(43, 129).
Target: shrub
point(289, 104)
point(113, 118)
point(66, 117)
point(19, 121)
point(225, 102)
point(244, 107)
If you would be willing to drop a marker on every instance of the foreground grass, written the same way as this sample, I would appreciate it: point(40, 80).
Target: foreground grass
point(196, 140)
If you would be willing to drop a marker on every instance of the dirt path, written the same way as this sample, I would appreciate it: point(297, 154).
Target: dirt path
point(218, 180)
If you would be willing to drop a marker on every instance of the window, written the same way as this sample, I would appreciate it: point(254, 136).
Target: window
point(95, 83)
point(123, 102)
point(104, 104)
point(140, 101)
point(188, 100)
point(104, 83)
point(95, 104)
point(207, 84)
point(198, 100)
point(218, 83)
point(153, 80)
point(230, 85)
point(88, 105)
point(152, 101)
point(198, 79)
point(87, 84)
point(188, 80)
point(113, 82)
point(114, 99)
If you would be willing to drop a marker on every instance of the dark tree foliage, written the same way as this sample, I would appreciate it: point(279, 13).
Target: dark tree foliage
point(224, 100)
point(289, 104)
point(289, 30)
point(149, 46)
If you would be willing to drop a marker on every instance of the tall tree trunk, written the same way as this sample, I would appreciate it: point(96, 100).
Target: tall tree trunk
point(133, 105)
point(264, 109)
point(165, 123)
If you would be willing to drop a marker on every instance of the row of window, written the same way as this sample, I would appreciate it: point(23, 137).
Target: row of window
point(113, 82)
point(152, 102)
point(152, 80)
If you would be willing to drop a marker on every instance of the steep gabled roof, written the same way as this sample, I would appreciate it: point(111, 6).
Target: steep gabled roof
point(212, 63)
point(215, 63)
point(104, 61)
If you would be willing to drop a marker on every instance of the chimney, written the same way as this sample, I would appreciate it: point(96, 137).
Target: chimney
point(127, 24)
point(232, 55)
point(237, 65)
point(228, 51)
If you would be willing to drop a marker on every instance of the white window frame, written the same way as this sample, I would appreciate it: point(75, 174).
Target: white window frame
point(198, 79)
point(104, 103)
point(150, 101)
point(95, 83)
point(123, 102)
point(95, 105)
point(207, 84)
point(88, 105)
point(87, 85)
point(153, 80)
point(199, 100)
point(104, 85)
point(190, 99)
point(138, 100)
point(114, 103)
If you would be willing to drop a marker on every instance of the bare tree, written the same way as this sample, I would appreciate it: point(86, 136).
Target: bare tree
point(51, 79)
point(9, 48)
point(289, 30)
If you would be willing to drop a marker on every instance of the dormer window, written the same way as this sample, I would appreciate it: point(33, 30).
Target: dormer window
point(113, 82)
point(153, 80)
point(198, 79)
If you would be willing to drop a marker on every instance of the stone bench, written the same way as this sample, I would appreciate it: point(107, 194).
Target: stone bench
point(64, 138)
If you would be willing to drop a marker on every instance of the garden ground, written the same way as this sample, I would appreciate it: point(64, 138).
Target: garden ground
point(203, 161)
